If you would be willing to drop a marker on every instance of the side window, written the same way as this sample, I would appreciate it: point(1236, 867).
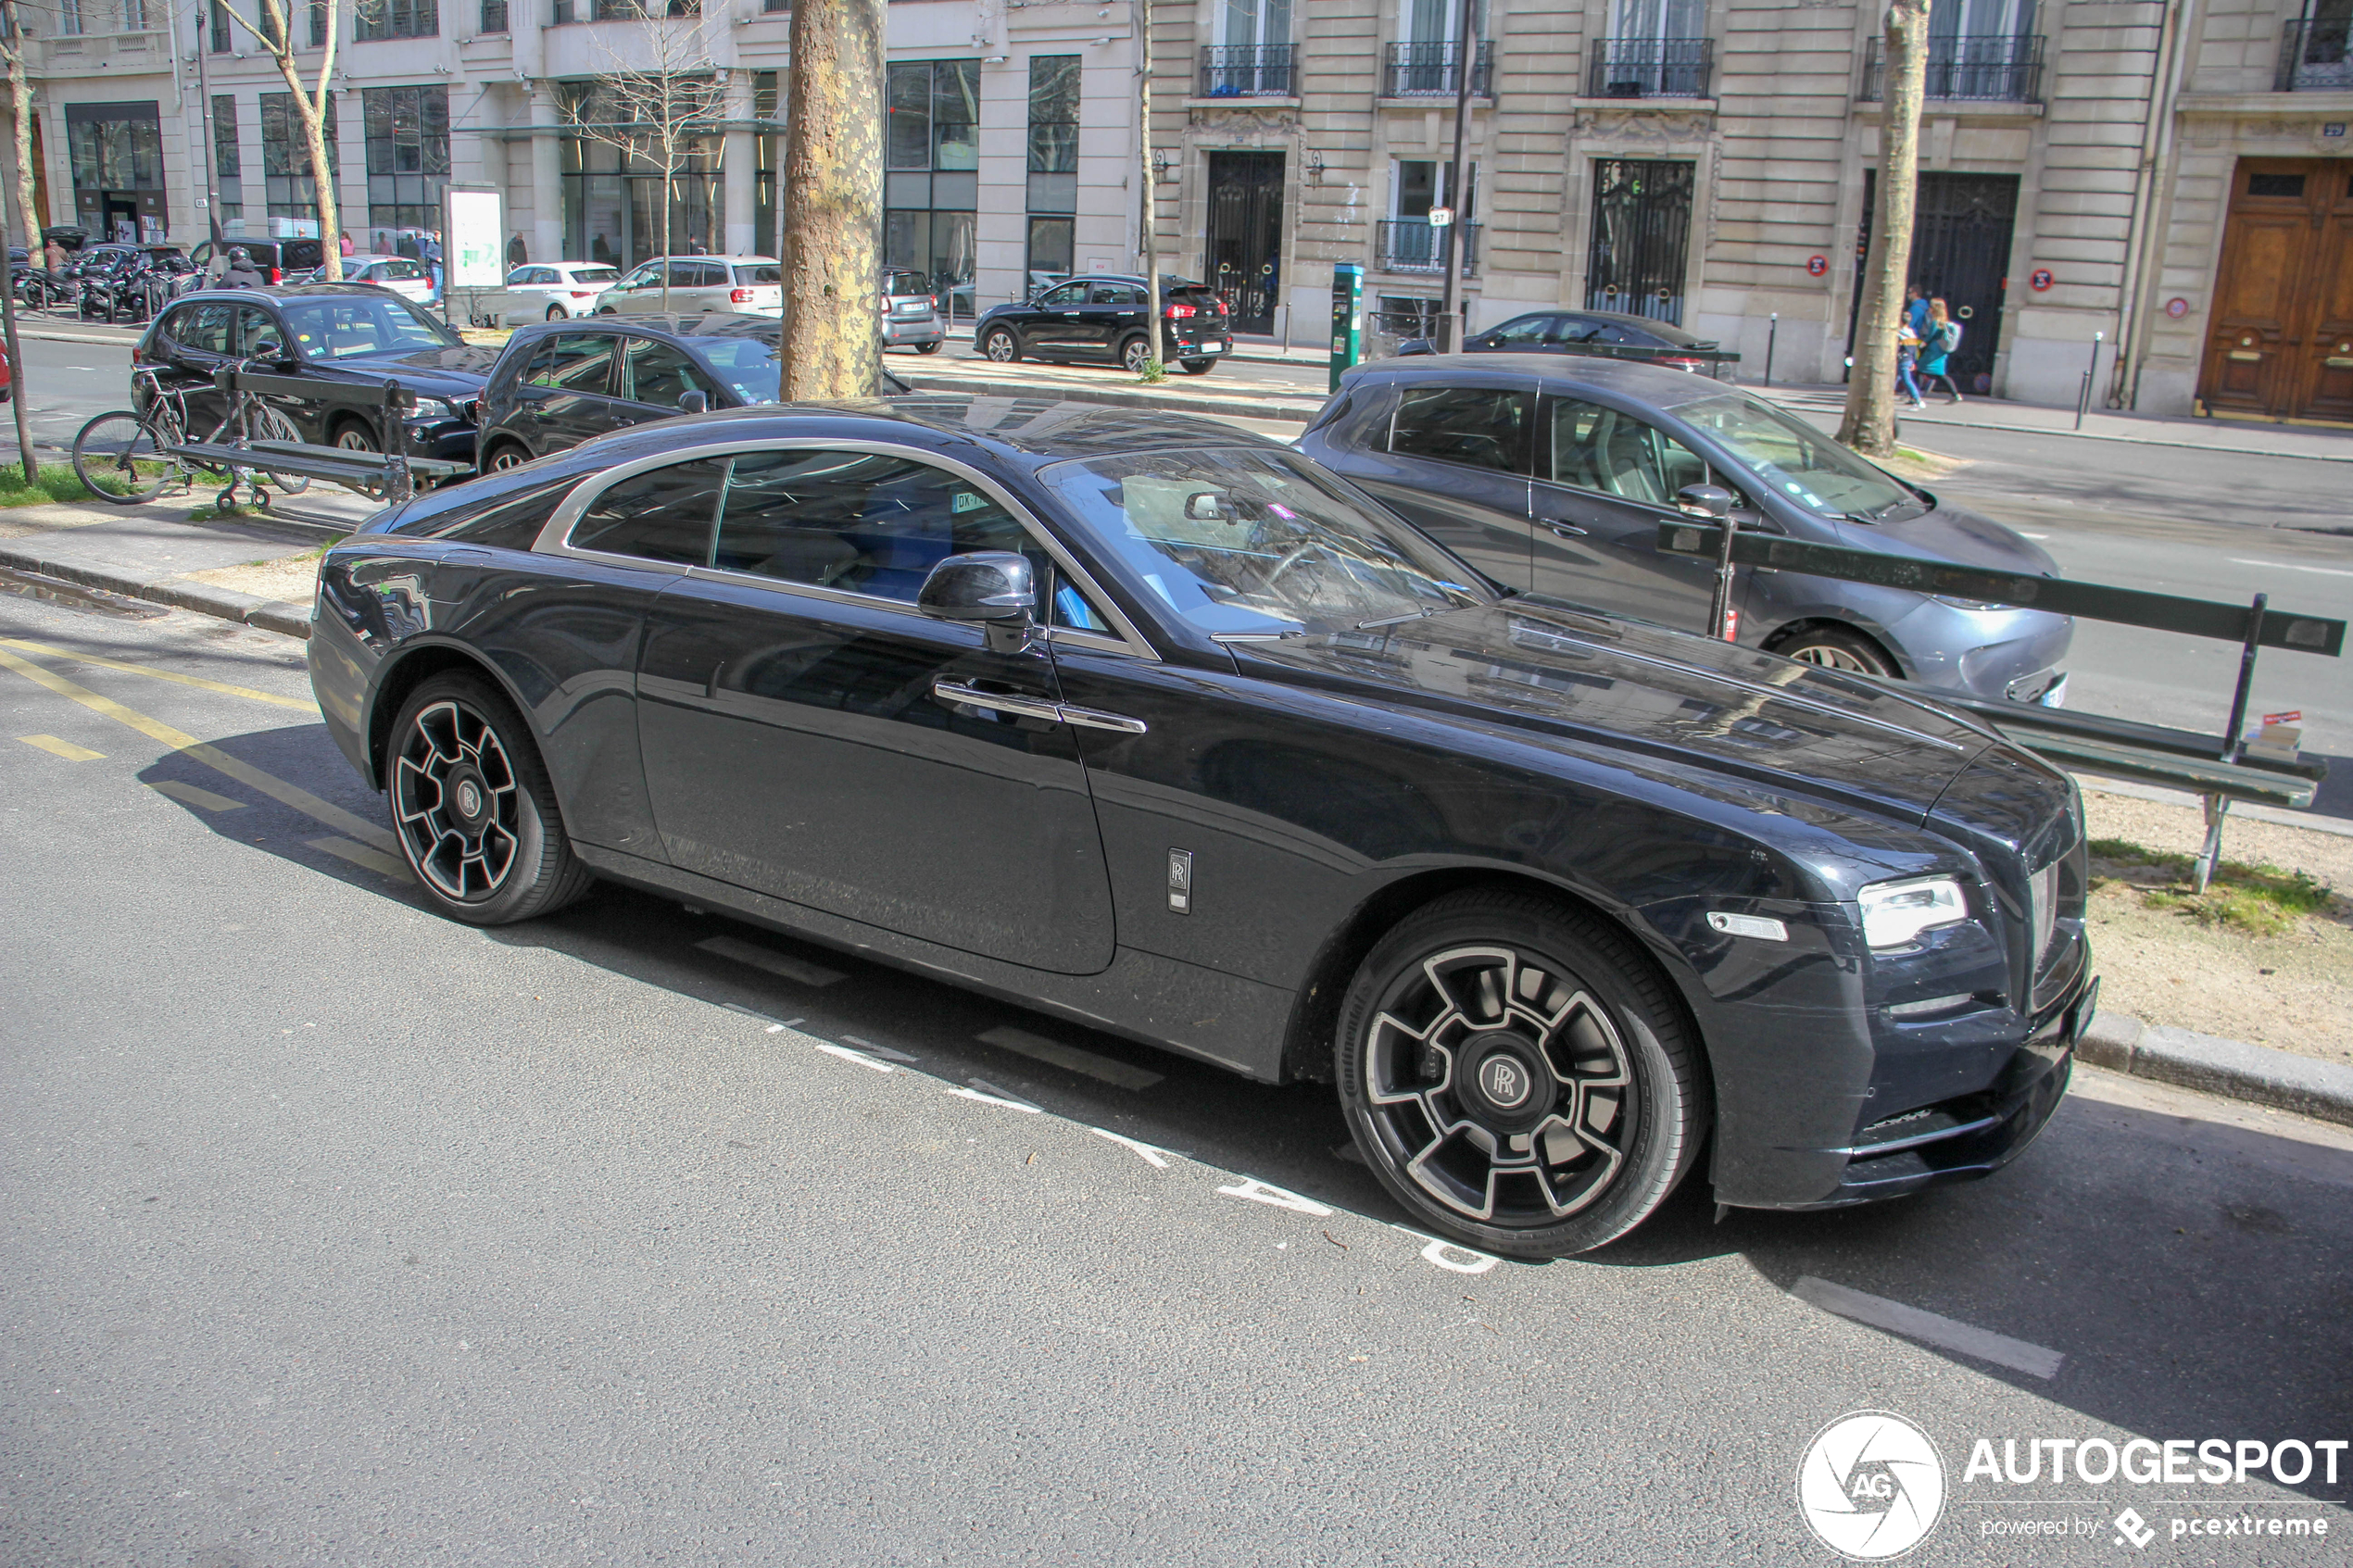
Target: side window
point(663, 514)
point(258, 333)
point(1073, 609)
point(180, 326)
point(1528, 329)
point(208, 329)
point(1480, 427)
point(1065, 297)
point(514, 525)
point(766, 275)
point(574, 362)
point(1117, 293)
point(1578, 328)
point(654, 372)
point(706, 275)
point(863, 522)
point(1597, 448)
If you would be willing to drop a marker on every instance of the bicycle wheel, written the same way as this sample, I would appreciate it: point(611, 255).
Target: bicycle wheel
point(271, 425)
point(119, 458)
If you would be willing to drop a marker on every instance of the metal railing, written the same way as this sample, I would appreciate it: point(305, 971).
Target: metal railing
point(1993, 68)
point(1415, 244)
point(1427, 71)
point(1652, 68)
point(2316, 56)
point(1248, 70)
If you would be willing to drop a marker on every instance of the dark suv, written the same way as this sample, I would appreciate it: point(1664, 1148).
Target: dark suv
point(1102, 317)
point(276, 259)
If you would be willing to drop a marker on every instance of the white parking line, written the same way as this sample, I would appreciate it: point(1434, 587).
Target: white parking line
point(767, 959)
point(2291, 566)
point(1929, 1327)
point(989, 1093)
point(872, 1050)
point(1071, 1057)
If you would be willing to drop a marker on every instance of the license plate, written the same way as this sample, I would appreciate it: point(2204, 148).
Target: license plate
point(1213, 348)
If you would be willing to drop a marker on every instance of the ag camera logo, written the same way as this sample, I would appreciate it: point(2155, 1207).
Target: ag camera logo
point(1872, 1486)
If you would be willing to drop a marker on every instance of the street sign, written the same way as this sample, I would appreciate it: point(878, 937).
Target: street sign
point(1817, 265)
point(2039, 279)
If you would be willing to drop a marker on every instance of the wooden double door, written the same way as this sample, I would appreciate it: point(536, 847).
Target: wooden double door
point(2282, 341)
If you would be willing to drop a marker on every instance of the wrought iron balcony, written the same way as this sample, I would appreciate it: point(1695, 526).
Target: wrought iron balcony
point(1992, 69)
point(1248, 70)
point(2316, 56)
point(1652, 68)
point(1428, 71)
point(1412, 244)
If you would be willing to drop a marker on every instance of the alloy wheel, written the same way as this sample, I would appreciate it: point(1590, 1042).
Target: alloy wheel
point(1001, 348)
point(1831, 657)
point(1498, 1084)
point(1136, 355)
point(507, 458)
point(456, 798)
point(351, 438)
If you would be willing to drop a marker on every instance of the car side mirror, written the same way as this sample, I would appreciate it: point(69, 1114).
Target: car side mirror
point(996, 588)
point(1414, 345)
point(1711, 501)
point(694, 402)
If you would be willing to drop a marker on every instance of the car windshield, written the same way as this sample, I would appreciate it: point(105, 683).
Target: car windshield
point(1257, 542)
point(747, 364)
point(1797, 461)
point(351, 328)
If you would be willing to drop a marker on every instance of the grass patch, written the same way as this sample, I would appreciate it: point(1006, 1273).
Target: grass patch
point(2260, 900)
point(58, 483)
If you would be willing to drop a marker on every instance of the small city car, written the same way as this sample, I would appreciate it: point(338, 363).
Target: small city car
point(1603, 334)
point(326, 332)
point(744, 286)
point(559, 384)
point(910, 314)
point(550, 291)
point(404, 275)
point(1551, 477)
point(1102, 317)
point(1161, 727)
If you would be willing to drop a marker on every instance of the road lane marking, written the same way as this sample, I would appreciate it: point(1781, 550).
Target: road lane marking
point(860, 1058)
point(189, 794)
point(212, 757)
point(1151, 1156)
point(300, 705)
point(768, 958)
point(1435, 1253)
point(989, 1093)
point(361, 855)
point(2290, 566)
point(1071, 1057)
point(1257, 1191)
point(64, 748)
point(1930, 1328)
point(884, 1051)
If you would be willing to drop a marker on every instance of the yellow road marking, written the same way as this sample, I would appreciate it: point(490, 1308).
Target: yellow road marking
point(361, 855)
point(300, 705)
point(64, 748)
point(212, 757)
point(203, 799)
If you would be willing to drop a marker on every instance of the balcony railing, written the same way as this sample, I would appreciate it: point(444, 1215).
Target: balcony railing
point(1427, 71)
point(1412, 244)
point(1248, 70)
point(1652, 68)
point(1995, 69)
point(2315, 57)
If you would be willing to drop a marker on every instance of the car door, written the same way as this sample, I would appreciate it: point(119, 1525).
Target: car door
point(517, 301)
point(567, 395)
point(638, 293)
point(810, 734)
point(1454, 460)
point(1604, 481)
point(1054, 325)
point(654, 375)
point(196, 340)
point(258, 336)
point(1114, 311)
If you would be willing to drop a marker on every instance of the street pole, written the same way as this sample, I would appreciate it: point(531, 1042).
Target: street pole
point(1447, 336)
point(1772, 334)
point(9, 326)
point(2083, 397)
point(1153, 369)
point(204, 119)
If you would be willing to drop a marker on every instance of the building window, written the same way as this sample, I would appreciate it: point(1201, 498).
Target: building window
point(69, 19)
point(222, 27)
point(931, 195)
point(287, 185)
point(226, 171)
point(1409, 241)
point(1425, 60)
point(494, 16)
point(612, 202)
point(397, 19)
point(134, 15)
point(1054, 164)
point(407, 137)
point(320, 23)
point(115, 151)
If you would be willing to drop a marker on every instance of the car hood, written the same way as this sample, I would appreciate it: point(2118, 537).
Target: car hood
point(459, 370)
point(1558, 675)
point(1946, 532)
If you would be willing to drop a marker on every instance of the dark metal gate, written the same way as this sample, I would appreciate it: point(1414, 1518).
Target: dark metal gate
point(1641, 237)
point(1960, 255)
point(1245, 258)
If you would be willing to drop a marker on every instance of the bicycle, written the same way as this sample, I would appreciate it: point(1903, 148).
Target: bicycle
point(134, 449)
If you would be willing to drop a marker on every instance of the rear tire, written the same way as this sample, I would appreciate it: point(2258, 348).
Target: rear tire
point(1198, 367)
point(1518, 1075)
point(506, 454)
point(1835, 647)
point(926, 348)
point(558, 313)
point(472, 807)
point(114, 448)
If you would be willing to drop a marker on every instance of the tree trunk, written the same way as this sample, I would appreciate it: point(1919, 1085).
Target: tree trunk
point(1153, 369)
point(20, 99)
point(661, 240)
point(833, 200)
point(313, 114)
point(1869, 424)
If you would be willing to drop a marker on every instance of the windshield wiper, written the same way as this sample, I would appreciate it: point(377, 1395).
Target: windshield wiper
point(1401, 619)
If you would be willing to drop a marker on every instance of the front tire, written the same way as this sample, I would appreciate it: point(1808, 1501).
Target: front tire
point(356, 437)
point(506, 454)
point(472, 808)
point(1136, 354)
point(1518, 1075)
point(1002, 346)
point(1835, 647)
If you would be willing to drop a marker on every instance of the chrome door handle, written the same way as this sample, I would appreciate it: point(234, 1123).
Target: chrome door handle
point(957, 694)
point(1566, 529)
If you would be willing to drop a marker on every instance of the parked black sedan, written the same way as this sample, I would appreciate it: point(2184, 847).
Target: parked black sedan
point(1160, 727)
point(558, 384)
point(1102, 317)
point(346, 332)
point(1601, 334)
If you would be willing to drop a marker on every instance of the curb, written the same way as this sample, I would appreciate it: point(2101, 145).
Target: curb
point(2187, 1059)
point(270, 615)
point(1176, 403)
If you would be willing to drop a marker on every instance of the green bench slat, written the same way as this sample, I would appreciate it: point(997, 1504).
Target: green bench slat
point(2179, 772)
point(2123, 733)
point(416, 465)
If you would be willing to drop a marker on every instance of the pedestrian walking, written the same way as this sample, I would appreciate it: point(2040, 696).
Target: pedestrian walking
point(1915, 311)
point(1937, 344)
point(1908, 358)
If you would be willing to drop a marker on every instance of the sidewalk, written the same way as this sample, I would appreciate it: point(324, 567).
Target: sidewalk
point(2241, 436)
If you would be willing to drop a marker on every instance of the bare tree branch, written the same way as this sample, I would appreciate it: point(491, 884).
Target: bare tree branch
point(276, 36)
point(657, 106)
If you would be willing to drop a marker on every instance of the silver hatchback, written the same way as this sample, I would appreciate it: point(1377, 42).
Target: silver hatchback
point(911, 313)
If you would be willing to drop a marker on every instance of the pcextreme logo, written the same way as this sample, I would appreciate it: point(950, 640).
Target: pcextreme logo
point(1872, 1486)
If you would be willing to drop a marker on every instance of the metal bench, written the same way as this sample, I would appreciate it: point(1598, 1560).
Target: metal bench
point(2218, 767)
point(390, 474)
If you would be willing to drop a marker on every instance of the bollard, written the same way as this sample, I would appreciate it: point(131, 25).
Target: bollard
point(1772, 331)
point(2083, 397)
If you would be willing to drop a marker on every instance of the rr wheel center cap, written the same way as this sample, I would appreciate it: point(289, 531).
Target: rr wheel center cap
point(468, 800)
point(1504, 1082)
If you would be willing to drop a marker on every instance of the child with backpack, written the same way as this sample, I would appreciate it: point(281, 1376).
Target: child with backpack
point(1942, 337)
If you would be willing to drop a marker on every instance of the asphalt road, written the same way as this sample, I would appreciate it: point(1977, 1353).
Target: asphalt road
point(332, 1232)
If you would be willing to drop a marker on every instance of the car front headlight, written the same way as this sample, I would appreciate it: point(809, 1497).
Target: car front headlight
point(1895, 913)
point(435, 409)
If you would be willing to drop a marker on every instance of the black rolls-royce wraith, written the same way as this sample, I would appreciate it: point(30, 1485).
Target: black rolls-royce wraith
point(1159, 726)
